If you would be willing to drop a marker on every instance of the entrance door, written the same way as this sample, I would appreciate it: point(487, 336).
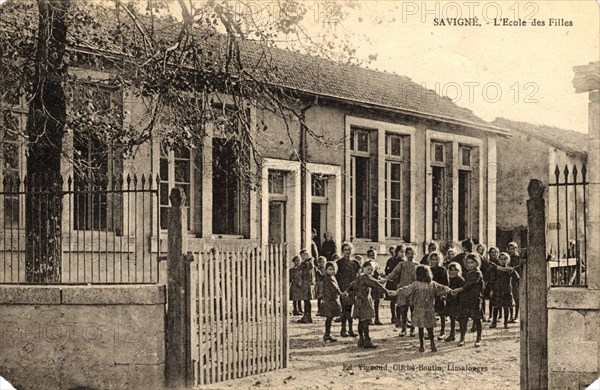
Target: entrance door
point(319, 220)
point(276, 222)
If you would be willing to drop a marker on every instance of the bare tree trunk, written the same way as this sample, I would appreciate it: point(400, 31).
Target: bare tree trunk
point(45, 129)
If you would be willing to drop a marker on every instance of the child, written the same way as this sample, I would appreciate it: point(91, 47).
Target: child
point(376, 295)
point(424, 291)
point(307, 268)
point(392, 262)
point(452, 301)
point(432, 247)
point(330, 305)
point(405, 271)
point(363, 306)
point(440, 276)
point(319, 278)
point(470, 298)
point(296, 285)
point(482, 250)
point(348, 270)
point(515, 263)
point(493, 253)
point(502, 290)
point(450, 254)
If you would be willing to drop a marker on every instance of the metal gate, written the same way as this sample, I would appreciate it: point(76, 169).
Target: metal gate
point(238, 313)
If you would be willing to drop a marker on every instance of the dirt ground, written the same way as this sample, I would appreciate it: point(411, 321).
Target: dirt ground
point(395, 364)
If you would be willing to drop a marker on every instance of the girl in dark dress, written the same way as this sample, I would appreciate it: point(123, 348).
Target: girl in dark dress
point(295, 279)
point(348, 270)
point(452, 308)
point(470, 298)
point(440, 276)
point(492, 258)
point(393, 284)
point(362, 288)
point(330, 304)
point(319, 277)
point(502, 290)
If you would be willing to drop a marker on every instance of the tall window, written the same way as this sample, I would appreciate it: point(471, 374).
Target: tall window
point(360, 181)
point(231, 194)
point(394, 221)
point(176, 172)
point(12, 156)
point(440, 205)
point(95, 156)
point(226, 188)
point(465, 226)
point(277, 207)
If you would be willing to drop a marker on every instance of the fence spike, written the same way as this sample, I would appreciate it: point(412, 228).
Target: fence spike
point(128, 181)
point(583, 172)
point(575, 172)
point(143, 181)
point(557, 173)
point(566, 172)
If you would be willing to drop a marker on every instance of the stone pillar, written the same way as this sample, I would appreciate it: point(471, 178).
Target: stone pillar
point(587, 79)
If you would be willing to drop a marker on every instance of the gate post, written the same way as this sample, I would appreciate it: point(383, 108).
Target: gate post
point(178, 348)
point(534, 311)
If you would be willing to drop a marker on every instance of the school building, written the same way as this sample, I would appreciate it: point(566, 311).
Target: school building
point(386, 162)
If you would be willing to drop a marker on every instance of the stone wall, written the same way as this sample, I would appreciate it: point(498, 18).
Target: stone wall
point(573, 337)
point(59, 337)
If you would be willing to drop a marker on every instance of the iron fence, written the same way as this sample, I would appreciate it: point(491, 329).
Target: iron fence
point(568, 204)
point(79, 229)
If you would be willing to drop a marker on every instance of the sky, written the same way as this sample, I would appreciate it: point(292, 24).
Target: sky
point(521, 72)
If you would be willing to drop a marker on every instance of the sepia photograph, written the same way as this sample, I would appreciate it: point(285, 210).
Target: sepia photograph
point(299, 194)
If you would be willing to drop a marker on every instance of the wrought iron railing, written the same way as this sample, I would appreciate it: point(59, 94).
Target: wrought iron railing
point(79, 229)
point(568, 199)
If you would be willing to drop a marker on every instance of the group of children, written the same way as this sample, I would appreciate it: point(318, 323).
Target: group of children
point(457, 288)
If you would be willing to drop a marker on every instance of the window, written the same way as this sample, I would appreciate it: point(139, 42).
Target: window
point(395, 215)
point(176, 171)
point(226, 188)
point(465, 202)
point(464, 205)
point(360, 182)
point(12, 156)
point(277, 206)
point(441, 201)
point(359, 140)
point(318, 186)
point(276, 183)
point(438, 152)
point(465, 156)
point(95, 156)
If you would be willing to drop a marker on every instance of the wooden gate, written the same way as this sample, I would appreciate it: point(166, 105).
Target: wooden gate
point(238, 313)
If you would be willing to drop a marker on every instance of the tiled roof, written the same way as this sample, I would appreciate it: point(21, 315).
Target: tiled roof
point(295, 71)
point(357, 84)
point(568, 140)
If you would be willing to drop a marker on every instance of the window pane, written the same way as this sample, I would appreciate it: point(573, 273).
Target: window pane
point(363, 141)
point(395, 209)
point(466, 156)
point(395, 190)
point(182, 152)
point(395, 145)
point(395, 224)
point(164, 169)
point(164, 193)
point(439, 152)
point(318, 186)
point(164, 217)
point(395, 172)
point(276, 183)
point(11, 210)
point(182, 171)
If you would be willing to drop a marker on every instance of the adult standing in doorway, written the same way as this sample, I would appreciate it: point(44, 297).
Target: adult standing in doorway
point(329, 247)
